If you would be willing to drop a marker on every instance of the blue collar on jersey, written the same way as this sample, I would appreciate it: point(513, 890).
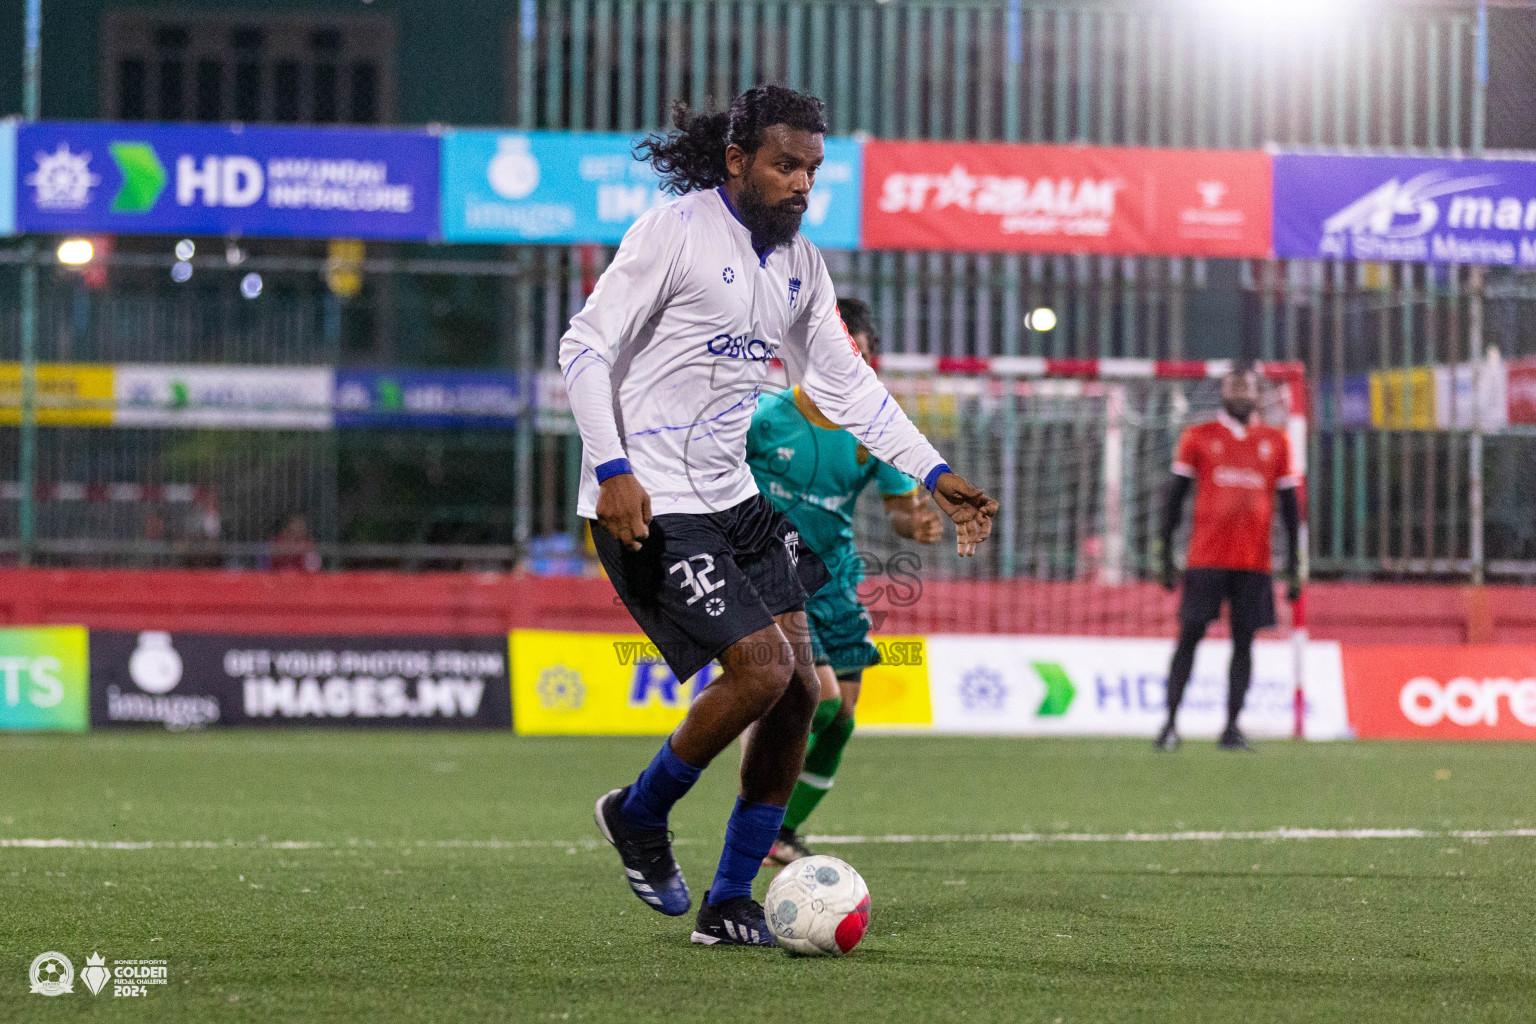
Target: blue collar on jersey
point(763, 252)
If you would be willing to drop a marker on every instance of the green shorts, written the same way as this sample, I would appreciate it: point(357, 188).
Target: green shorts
point(841, 626)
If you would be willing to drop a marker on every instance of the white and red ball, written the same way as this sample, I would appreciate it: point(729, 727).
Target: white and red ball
point(818, 906)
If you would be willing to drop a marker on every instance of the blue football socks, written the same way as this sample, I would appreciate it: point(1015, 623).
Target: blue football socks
point(749, 835)
point(661, 785)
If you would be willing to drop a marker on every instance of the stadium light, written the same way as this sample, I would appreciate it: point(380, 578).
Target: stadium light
point(1042, 319)
point(250, 285)
point(181, 272)
point(76, 251)
point(185, 249)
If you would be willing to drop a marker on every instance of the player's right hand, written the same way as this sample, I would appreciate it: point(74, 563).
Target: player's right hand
point(624, 509)
point(1170, 575)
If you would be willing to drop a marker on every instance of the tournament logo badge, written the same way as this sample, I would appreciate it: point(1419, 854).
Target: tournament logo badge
point(52, 974)
point(95, 974)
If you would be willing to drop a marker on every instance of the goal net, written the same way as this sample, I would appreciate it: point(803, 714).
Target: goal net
point(1078, 453)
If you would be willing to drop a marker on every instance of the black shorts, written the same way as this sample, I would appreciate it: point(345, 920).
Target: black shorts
point(701, 582)
point(1250, 595)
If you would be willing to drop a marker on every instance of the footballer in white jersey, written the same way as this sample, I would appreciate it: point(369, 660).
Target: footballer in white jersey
point(664, 367)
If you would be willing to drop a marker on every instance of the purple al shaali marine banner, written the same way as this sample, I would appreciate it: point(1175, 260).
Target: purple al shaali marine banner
point(1405, 209)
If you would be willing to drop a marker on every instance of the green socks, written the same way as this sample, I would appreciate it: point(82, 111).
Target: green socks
point(829, 735)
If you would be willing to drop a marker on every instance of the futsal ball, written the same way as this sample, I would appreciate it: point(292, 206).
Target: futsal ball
point(818, 906)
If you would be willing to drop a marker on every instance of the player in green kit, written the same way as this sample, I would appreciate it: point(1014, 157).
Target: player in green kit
point(813, 471)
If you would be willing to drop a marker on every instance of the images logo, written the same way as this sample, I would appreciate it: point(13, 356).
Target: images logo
point(154, 666)
point(513, 172)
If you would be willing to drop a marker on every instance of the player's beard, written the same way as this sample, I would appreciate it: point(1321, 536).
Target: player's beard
point(772, 224)
point(1240, 411)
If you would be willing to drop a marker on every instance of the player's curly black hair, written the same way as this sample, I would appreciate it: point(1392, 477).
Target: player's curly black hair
point(691, 157)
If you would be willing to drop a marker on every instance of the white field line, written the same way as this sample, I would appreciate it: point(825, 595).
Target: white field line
point(1270, 835)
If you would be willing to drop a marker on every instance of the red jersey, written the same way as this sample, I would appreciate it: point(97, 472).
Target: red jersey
point(1236, 470)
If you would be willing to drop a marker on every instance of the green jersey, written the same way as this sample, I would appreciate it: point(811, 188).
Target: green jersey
point(814, 475)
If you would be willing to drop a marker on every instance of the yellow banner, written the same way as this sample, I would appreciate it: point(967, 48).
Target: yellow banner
point(68, 394)
point(1403, 399)
point(615, 684)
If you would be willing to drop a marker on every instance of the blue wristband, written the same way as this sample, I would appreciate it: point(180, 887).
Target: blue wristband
point(933, 475)
point(612, 467)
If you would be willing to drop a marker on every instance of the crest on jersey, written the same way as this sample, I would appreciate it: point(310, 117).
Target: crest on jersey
point(792, 545)
point(794, 290)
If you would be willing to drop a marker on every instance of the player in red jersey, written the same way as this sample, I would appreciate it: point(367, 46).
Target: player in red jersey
point(1237, 465)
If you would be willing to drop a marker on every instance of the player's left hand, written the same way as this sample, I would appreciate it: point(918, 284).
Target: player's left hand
point(968, 508)
point(927, 525)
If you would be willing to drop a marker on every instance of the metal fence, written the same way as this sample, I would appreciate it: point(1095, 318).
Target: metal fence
point(1382, 502)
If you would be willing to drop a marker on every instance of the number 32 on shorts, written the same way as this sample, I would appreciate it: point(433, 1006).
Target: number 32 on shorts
point(697, 579)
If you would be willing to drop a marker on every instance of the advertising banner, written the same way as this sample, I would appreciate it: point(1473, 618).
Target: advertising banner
point(264, 397)
point(1085, 686)
point(615, 684)
point(997, 197)
point(1405, 209)
point(197, 680)
point(1442, 693)
point(486, 399)
point(1469, 392)
point(43, 673)
point(1403, 399)
point(1521, 382)
point(130, 178)
point(566, 187)
point(68, 394)
point(7, 177)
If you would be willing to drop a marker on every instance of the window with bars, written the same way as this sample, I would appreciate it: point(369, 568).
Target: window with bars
point(285, 68)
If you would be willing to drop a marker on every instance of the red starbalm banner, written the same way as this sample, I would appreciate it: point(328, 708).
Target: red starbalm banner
point(1441, 693)
point(998, 197)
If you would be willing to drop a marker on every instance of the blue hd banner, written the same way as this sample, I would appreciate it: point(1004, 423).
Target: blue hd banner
point(1405, 209)
point(436, 399)
point(561, 187)
point(219, 180)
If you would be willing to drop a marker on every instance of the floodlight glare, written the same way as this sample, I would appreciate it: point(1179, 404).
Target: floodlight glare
point(250, 285)
point(1042, 319)
point(76, 251)
point(185, 250)
point(181, 272)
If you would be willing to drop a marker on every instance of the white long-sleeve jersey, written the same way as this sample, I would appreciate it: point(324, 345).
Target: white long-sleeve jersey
point(665, 362)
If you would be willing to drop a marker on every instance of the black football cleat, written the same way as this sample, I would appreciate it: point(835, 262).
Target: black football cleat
point(738, 921)
point(1167, 740)
point(786, 849)
point(1233, 739)
point(649, 867)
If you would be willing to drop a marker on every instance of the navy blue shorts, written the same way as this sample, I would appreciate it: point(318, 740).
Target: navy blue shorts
point(701, 582)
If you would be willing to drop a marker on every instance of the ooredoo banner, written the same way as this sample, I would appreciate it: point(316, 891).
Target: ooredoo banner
point(1073, 199)
point(1443, 693)
point(180, 681)
point(134, 178)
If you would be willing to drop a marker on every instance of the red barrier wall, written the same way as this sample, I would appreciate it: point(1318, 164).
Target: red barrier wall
point(364, 603)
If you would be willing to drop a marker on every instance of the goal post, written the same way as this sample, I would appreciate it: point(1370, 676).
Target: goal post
point(1078, 453)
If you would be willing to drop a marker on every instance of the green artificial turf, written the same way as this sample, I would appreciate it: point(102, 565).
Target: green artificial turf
point(458, 878)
